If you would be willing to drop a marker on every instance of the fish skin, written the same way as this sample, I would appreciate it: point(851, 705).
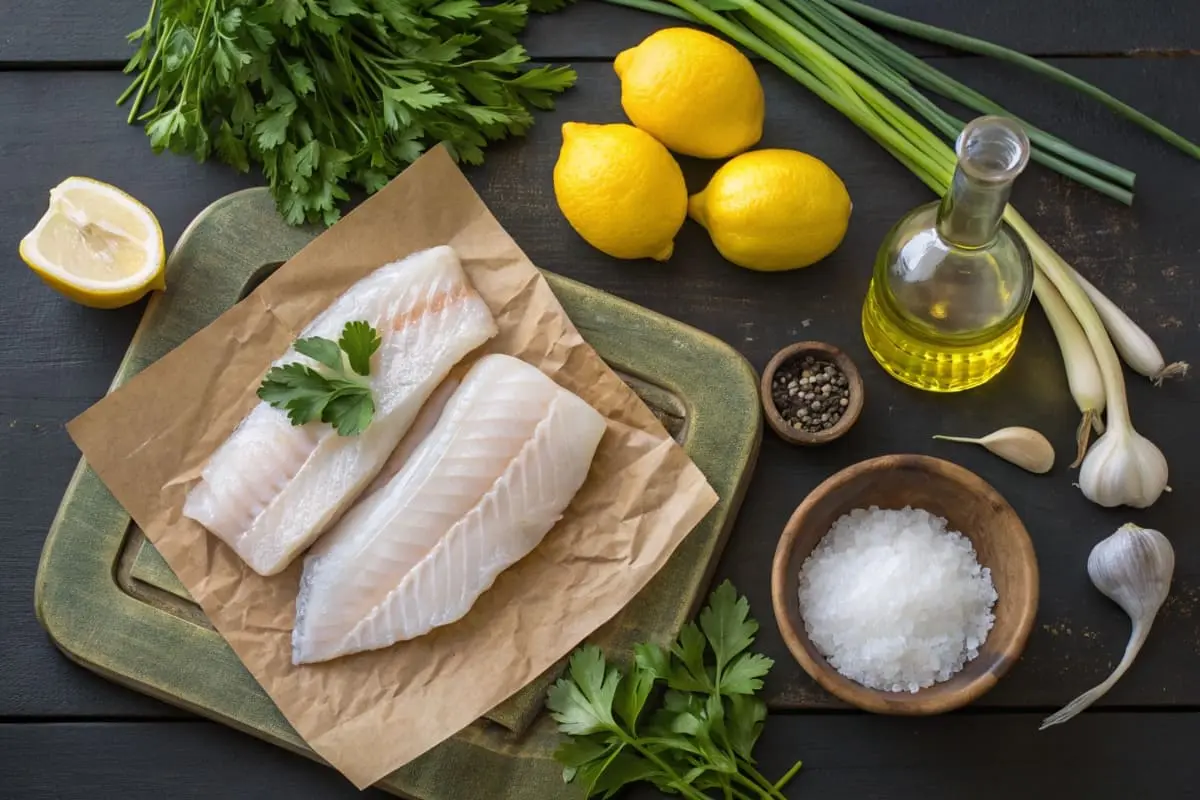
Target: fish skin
point(272, 488)
point(479, 493)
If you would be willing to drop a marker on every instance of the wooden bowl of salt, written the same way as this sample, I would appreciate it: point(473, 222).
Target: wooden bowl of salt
point(893, 593)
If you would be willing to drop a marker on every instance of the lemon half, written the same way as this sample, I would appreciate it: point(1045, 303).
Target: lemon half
point(96, 245)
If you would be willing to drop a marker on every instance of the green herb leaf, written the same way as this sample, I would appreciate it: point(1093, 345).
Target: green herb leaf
point(349, 410)
point(702, 735)
point(654, 660)
point(455, 9)
point(290, 11)
point(632, 693)
point(583, 703)
point(727, 625)
point(359, 341)
point(323, 351)
point(326, 96)
point(622, 768)
point(744, 723)
point(575, 753)
point(300, 390)
point(338, 396)
point(573, 711)
point(743, 675)
point(271, 130)
point(691, 675)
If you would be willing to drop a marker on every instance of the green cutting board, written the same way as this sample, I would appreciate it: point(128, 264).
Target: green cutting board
point(111, 603)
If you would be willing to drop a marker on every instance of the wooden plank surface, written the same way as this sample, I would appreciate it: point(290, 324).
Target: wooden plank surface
point(1104, 756)
point(73, 31)
point(60, 357)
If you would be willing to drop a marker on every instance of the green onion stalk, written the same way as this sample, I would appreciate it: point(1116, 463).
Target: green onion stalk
point(790, 35)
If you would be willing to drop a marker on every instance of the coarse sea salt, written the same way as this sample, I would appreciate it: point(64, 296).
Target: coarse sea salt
point(894, 600)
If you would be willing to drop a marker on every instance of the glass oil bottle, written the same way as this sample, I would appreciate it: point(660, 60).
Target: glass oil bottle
point(952, 280)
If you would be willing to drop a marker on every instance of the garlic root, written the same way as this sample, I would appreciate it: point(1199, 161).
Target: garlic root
point(1176, 369)
point(1089, 422)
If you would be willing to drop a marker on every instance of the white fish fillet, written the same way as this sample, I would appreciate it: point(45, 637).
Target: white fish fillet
point(479, 493)
point(271, 488)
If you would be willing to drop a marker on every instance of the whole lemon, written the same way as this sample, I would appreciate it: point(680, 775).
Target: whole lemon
point(773, 210)
point(695, 93)
point(620, 189)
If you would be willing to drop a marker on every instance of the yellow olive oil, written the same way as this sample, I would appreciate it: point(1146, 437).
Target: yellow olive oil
point(951, 281)
point(938, 364)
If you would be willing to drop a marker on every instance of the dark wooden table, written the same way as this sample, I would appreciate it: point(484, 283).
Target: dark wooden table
point(67, 733)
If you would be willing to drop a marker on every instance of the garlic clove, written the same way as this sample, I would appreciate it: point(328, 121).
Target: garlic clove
point(1024, 447)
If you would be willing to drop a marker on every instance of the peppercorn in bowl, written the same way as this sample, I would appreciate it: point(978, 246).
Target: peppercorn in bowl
point(811, 393)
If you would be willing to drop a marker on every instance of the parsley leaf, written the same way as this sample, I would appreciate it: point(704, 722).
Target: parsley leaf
point(320, 350)
point(296, 388)
point(742, 676)
point(329, 96)
point(701, 733)
point(727, 626)
point(349, 410)
point(690, 675)
point(337, 395)
point(360, 341)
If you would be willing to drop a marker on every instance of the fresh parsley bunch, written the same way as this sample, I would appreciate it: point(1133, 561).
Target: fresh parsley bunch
point(330, 94)
point(701, 735)
point(338, 394)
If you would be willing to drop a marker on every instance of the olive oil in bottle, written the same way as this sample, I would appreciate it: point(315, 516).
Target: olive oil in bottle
point(952, 280)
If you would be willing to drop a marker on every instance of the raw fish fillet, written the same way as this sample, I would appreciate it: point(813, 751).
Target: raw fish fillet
point(475, 496)
point(271, 488)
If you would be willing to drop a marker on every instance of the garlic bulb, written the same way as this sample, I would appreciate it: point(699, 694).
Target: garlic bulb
point(1123, 468)
point(1024, 447)
point(1133, 568)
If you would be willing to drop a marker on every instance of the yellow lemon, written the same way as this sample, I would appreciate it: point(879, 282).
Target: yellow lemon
point(620, 189)
point(773, 210)
point(96, 245)
point(695, 93)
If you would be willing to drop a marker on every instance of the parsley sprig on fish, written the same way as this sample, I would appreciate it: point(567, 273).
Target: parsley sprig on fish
point(697, 736)
point(337, 390)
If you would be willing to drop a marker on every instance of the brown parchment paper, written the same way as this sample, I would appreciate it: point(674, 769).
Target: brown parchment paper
point(371, 713)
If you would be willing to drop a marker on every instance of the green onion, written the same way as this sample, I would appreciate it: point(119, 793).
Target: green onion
point(1050, 151)
point(970, 44)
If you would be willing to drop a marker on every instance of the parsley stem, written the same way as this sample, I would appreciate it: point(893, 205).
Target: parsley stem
point(772, 789)
point(649, 755)
point(787, 776)
point(767, 793)
point(138, 81)
point(194, 56)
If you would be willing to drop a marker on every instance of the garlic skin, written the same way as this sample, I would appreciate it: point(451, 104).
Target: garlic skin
point(1133, 567)
point(1123, 468)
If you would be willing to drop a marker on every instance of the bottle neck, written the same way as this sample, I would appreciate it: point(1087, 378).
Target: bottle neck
point(972, 210)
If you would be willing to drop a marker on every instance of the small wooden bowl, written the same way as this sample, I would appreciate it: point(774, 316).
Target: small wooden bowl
point(970, 506)
point(823, 352)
